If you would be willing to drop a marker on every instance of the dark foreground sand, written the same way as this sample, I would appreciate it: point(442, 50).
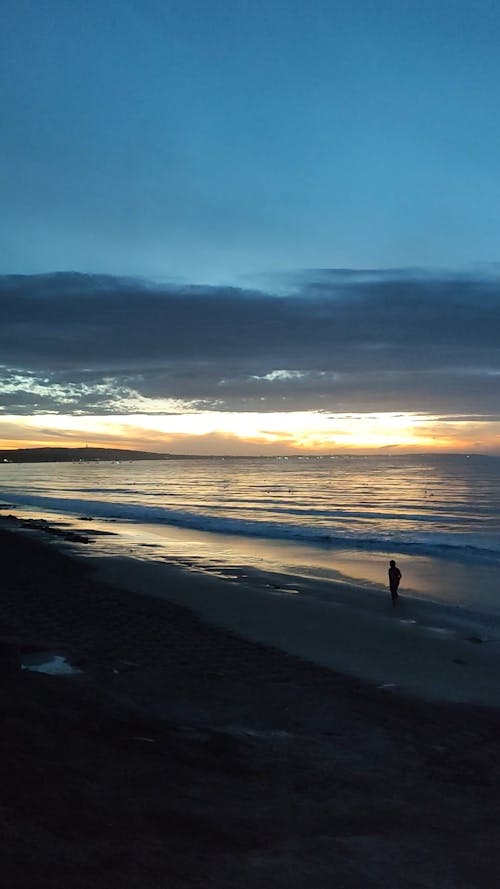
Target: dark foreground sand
point(183, 756)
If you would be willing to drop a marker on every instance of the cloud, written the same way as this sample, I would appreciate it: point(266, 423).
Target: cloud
point(330, 341)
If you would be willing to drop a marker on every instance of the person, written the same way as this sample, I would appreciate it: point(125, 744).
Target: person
point(394, 578)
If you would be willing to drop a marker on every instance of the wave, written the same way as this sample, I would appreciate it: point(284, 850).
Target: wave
point(342, 514)
point(439, 544)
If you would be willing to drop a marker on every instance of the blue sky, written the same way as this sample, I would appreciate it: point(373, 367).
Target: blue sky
point(315, 190)
point(207, 141)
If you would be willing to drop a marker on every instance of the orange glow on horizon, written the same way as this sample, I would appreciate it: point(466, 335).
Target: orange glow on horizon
point(252, 433)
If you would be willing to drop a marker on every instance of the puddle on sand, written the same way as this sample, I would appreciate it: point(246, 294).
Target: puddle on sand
point(46, 662)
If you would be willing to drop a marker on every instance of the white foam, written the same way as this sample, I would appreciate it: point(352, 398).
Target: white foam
point(371, 539)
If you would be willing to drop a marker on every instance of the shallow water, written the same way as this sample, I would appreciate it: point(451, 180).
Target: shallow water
point(423, 504)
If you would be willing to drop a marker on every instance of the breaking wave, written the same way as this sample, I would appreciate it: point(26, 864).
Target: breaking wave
point(443, 544)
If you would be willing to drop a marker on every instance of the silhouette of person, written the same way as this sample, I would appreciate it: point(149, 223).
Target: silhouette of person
point(394, 578)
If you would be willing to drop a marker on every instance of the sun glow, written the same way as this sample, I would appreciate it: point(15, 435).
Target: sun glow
point(212, 432)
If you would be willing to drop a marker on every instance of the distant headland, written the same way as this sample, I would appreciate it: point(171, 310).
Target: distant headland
point(114, 455)
point(75, 455)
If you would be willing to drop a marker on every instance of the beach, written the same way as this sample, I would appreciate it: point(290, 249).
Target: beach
point(180, 753)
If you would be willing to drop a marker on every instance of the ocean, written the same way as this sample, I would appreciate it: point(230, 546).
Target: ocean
point(332, 518)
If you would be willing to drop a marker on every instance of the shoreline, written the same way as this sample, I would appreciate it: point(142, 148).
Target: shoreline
point(184, 756)
point(422, 648)
point(428, 651)
point(440, 578)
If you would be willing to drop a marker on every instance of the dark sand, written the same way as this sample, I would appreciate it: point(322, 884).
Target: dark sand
point(183, 756)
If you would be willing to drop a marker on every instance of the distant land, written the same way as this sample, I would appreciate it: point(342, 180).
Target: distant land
point(71, 455)
point(110, 455)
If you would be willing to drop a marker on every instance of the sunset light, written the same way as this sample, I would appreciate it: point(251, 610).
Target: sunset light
point(254, 433)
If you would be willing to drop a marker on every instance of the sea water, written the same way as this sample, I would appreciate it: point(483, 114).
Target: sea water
point(333, 518)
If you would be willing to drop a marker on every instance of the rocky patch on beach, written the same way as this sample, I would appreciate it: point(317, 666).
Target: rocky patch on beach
point(54, 530)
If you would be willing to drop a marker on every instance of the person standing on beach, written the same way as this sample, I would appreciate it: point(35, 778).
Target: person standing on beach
point(394, 578)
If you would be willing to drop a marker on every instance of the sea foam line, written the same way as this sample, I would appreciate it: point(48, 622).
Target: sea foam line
point(437, 544)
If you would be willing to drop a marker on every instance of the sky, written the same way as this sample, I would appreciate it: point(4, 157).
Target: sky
point(250, 227)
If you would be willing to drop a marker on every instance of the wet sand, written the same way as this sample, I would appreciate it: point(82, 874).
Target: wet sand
point(430, 650)
point(184, 755)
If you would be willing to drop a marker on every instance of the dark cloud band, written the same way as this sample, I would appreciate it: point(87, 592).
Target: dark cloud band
point(341, 341)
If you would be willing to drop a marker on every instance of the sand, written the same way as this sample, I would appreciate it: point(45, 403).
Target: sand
point(422, 648)
point(183, 755)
